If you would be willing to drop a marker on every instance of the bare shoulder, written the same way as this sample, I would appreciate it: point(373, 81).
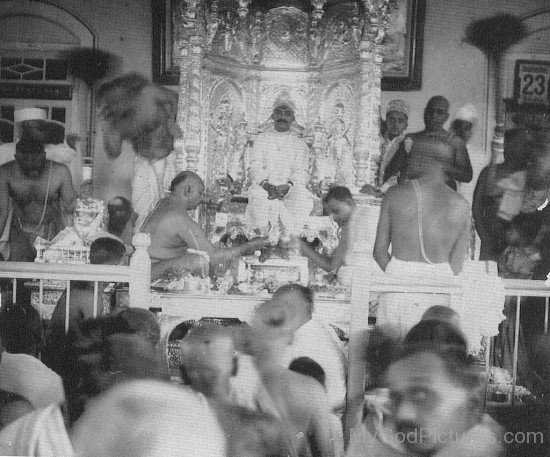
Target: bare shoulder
point(460, 207)
point(398, 192)
point(58, 167)
point(305, 388)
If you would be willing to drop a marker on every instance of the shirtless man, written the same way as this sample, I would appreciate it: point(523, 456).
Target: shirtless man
point(427, 225)
point(177, 241)
point(42, 194)
point(424, 220)
point(300, 400)
point(435, 116)
point(340, 205)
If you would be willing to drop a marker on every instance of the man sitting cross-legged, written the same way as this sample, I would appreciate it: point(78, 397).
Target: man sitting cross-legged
point(177, 241)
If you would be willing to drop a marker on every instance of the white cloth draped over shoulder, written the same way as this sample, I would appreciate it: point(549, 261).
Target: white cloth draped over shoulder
point(151, 182)
point(279, 158)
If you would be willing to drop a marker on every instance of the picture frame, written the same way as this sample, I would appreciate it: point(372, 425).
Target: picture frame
point(401, 68)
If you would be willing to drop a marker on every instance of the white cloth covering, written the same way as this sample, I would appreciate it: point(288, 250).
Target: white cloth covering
point(151, 182)
point(403, 310)
point(27, 376)
point(279, 158)
point(41, 433)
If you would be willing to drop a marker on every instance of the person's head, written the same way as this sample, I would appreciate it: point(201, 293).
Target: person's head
point(107, 251)
point(397, 118)
point(308, 367)
point(271, 331)
point(300, 302)
point(442, 313)
point(149, 419)
point(429, 156)
point(283, 116)
point(142, 322)
point(120, 211)
point(188, 187)
point(437, 395)
point(209, 360)
point(105, 351)
point(436, 113)
point(464, 121)
point(20, 329)
point(438, 327)
point(34, 123)
point(339, 204)
point(30, 155)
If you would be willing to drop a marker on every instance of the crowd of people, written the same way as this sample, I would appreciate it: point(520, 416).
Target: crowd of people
point(100, 384)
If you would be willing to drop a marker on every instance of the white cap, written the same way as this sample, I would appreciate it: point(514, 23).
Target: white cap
point(467, 113)
point(30, 114)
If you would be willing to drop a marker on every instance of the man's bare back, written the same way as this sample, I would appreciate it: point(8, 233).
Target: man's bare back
point(445, 224)
point(303, 405)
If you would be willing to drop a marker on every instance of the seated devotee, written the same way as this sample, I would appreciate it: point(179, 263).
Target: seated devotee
point(352, 247)
point(279, 170)
point(435, 405)
point(177, 241)
point(397, 117)
point(104, 353)
point(499, 193)
point(427, 225)
point(34, 123)
point(41, 194)
point(300, 400)
point(435, 116)
point(83, 303)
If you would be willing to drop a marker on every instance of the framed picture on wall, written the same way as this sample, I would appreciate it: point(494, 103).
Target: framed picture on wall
point(401, 68)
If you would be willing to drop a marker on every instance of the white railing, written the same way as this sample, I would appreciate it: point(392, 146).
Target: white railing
point(364, 283)
point(138, 276)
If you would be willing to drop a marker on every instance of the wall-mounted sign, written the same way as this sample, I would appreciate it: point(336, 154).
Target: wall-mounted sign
point(532, 82)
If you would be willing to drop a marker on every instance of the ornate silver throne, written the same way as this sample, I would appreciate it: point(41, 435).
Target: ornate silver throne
point(238, 57)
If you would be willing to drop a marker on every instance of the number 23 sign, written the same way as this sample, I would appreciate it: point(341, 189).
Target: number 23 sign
point(532, 82)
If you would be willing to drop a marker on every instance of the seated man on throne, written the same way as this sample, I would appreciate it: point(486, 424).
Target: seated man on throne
point(278, 199)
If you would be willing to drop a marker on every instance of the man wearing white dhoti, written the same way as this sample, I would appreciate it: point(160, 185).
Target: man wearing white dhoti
point(279, 170)
point(427, 225)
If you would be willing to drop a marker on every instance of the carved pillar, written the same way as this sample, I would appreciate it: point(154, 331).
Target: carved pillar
point(194, 112)
point(367, 145)
point(183, 103)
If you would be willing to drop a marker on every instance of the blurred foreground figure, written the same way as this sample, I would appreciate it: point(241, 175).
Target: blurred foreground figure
point(435, 406)
point(138, 111)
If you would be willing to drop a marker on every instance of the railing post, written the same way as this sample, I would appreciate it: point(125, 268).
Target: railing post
point(360, 294)
point(140, 272)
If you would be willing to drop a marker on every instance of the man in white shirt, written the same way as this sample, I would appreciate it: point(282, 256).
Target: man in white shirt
point(279, 170)
point(317, 340)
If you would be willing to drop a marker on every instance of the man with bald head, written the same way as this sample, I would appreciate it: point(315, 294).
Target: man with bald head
point(436, 114)
point(177, 241)
point(427, 225)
